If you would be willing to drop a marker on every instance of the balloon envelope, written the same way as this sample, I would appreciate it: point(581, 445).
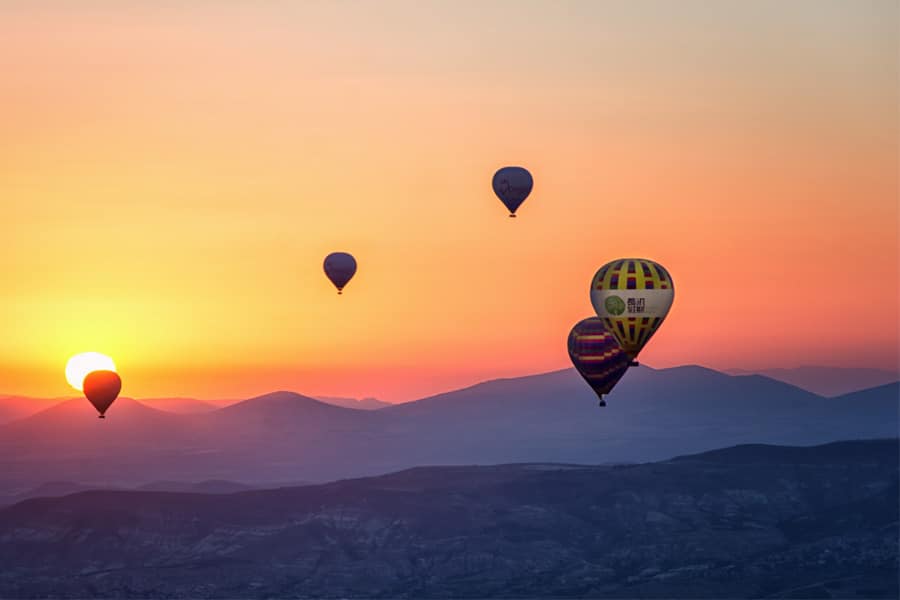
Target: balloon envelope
point(597, 355)
point(632, 296)
point(512, 185)
point(340, 268)
point(102, 388)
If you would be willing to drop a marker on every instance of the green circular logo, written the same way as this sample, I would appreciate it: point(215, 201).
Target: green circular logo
point(614, 305)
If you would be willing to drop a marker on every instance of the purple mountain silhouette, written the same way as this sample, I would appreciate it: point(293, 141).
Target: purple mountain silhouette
point(827, 381)
point(552, 417)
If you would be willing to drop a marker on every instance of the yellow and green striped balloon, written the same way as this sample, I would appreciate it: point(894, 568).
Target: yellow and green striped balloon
point(632, 296)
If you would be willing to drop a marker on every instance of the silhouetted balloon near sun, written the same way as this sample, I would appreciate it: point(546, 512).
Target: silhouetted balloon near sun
point(102, 388)
point(512, 185)
point(340, 268)
point(81, 364)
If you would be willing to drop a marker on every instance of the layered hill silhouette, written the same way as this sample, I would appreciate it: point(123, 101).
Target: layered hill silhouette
point(180, 405)
point(361, 403)
point(13, 408)
point(828, 381)
point(213, 486)
point(745, 521)
point(551, 417)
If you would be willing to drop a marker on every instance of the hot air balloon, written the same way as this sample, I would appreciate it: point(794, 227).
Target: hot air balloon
point(340, 267)
point(512, 185)
point(102, 388)
point(597, 356)
point(632, 296)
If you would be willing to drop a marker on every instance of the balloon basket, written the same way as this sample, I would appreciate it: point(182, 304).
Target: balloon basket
point(602, 403)
point(101, 417)
point(512, 216)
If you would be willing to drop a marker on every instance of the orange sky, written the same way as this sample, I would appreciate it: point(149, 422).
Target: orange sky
point(172, 176)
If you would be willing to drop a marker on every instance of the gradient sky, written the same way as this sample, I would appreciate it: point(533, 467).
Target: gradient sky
point(172, 175)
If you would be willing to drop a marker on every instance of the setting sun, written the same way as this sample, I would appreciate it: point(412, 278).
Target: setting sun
point(80, 365)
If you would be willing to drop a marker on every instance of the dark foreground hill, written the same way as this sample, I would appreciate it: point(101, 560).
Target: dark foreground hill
point(747, 521)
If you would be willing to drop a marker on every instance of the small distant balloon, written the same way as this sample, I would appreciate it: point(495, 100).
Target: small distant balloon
point(340, 268)
point(512, 185)
point(597, 356)
point(102, 388)
point(632, 296)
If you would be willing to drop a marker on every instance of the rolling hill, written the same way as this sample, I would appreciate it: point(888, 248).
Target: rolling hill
point(747, 521)
point(551, 417)
point(360, 403)
point(828, 381)
point(13, 408)
point(184, 406)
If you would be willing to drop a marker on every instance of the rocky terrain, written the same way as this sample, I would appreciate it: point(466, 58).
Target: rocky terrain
point(746, 521)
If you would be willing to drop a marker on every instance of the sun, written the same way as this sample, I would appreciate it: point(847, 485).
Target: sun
point(80, 365)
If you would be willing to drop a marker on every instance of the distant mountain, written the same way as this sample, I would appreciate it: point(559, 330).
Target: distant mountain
point(46, 490)
point(873, 395)
point(223, 402)
point(828, 381)
point(69, 442)
point(553, 417)
point(64, 488)
point(283, 418)
point(13, 408)
point(359, 403)
point(214, 486)
point(179, 405)
point(835, 453)
point(747, 521)
point(136, 426)
point(651, 414)
point(283, 403)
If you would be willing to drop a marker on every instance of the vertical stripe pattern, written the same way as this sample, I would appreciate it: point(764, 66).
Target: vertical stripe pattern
point(632, 296)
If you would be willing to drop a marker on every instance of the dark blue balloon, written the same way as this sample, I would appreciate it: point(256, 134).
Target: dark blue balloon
point(512, 185)
point(340, 268)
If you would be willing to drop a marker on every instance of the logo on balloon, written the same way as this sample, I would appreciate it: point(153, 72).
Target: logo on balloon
point(614, 305)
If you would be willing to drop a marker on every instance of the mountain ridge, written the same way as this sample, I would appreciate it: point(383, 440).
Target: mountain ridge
point(827, 381)
point(550, 417)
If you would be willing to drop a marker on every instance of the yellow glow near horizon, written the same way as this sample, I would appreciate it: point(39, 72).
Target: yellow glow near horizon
point(80, 365)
